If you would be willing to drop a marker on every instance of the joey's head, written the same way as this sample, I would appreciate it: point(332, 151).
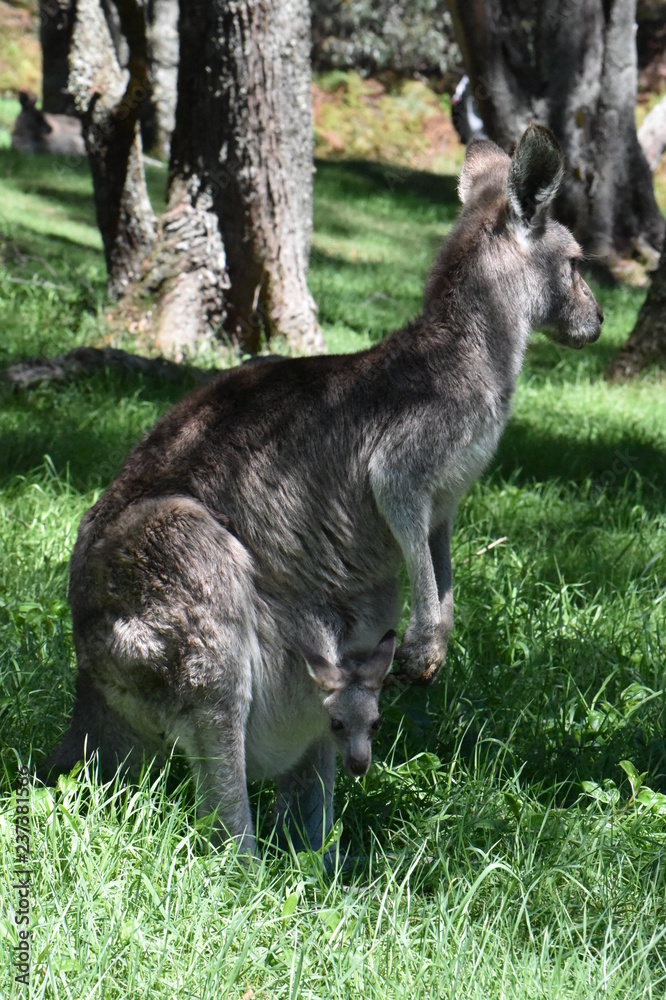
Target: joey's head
point(350, 695)
point(506, 257)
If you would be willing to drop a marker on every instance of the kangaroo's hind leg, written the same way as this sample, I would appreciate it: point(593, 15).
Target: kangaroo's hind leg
point(304, 805)
point(213, 740)
point(164, 614)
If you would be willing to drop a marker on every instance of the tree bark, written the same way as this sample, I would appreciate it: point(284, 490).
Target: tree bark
point(230, 255)
point(157, 41)
point(647, 343)
point(242, 151)
point(56, 20)
point(652, 134)
point(108, 101)
point(163, 70)
point(571, 66)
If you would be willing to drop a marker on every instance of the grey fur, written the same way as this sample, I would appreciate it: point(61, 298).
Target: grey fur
point(261, 524)
point(39, 132)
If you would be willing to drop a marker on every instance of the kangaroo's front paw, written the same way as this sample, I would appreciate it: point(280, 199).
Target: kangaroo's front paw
point(419, 662)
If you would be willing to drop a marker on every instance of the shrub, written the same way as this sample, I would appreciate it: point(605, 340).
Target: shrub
point(405, 37)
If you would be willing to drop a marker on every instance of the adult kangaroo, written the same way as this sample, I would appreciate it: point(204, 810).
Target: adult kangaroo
point(37, 131)
point(269, 512)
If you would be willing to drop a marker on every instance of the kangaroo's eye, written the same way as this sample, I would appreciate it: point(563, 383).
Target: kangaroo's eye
point(374, 727)
point(337, 725)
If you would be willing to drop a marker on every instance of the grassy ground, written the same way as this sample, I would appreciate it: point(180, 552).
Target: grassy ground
point(510, 841)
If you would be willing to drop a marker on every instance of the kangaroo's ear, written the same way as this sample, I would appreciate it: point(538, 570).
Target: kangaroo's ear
point(325, 674)
point(373, 670)
point(27, 99)
point(484, 161)
point(535, 175)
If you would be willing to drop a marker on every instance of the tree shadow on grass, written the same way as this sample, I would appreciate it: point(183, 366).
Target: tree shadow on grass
point(51, 254)
point(79, 206)
point(363, 179)
point(86, 428)
point(67, 180)
point(30, 169)
point(489, 731)
point(528, 454)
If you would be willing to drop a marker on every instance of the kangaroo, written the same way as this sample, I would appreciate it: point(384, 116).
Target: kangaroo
point(297, 722)
point(271, 510)
point(348, 694)
point(37, 131)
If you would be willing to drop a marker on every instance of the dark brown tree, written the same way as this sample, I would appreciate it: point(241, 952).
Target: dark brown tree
point(231, 252)
point(647, 343)
point(570, 65)
point(108, 101)
point(162, 33)
point(56, 20)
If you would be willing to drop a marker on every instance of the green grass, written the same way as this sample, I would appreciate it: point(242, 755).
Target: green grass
point(510, 840)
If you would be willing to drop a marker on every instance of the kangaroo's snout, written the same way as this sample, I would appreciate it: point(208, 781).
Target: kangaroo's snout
point(573, 315)
point(593, 318)
point(357, 765)
point(591, 304)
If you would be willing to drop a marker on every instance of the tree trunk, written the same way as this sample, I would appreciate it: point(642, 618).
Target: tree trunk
point(163, 70)
point(187, 271)
point(570, 66)
point(56, 20)
point(108, 101)
point(157, 41)
point(241, 153)
point(231, 254)
point(647, 343)
point(652, 134)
